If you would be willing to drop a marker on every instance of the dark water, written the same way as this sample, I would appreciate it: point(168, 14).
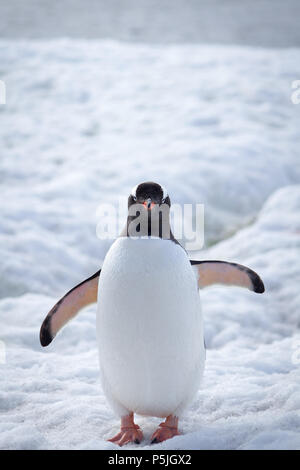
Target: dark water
point(268, 23)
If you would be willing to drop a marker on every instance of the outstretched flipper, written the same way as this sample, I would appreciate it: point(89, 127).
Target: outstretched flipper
point(68, 306)
point(232, 274)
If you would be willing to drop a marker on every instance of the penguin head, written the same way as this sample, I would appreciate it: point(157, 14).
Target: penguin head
point(149, 194)
point(149, 211)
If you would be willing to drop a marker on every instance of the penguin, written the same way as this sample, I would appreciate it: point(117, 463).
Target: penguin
point(149, 321)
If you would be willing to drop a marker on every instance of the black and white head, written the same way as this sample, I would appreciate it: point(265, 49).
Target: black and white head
point(149, 194)
point(149, 211)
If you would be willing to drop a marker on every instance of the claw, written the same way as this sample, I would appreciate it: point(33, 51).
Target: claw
point(166, 430)
point(125, 436)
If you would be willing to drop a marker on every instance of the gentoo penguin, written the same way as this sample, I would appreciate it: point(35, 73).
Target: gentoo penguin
point(149, 322)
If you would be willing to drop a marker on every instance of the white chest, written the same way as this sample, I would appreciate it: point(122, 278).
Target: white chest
point(149, 323)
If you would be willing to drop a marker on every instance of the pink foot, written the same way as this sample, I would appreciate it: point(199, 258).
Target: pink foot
point(130, 432)
point(166, 430)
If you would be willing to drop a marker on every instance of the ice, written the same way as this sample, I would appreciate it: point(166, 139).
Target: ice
point(85, 121)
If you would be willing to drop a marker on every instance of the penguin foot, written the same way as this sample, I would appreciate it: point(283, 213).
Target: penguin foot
point(127, 435)
point(129, 432)
point(166, 430)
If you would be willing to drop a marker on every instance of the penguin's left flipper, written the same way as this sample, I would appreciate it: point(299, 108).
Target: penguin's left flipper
point(68, 306)
point(232, 274)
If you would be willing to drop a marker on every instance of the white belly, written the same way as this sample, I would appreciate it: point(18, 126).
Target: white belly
point(149, 326)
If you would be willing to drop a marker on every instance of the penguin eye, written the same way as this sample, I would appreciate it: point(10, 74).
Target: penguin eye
point(134, 198)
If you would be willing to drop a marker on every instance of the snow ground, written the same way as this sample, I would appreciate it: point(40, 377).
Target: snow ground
point(84, 122)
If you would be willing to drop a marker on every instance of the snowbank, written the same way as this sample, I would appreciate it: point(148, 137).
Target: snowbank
point(86, 121)
point(250, 394)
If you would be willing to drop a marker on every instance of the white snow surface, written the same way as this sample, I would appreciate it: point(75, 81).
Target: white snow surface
point(84, 122)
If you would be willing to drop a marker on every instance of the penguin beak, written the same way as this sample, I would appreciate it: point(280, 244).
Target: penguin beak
point(148, 204)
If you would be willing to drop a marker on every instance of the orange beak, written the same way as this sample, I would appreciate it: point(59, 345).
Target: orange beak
point(148, 204)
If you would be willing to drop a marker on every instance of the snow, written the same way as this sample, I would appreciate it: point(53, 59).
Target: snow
point(84, 122)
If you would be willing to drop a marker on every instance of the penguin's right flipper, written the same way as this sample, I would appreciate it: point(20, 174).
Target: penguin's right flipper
point(68, 306)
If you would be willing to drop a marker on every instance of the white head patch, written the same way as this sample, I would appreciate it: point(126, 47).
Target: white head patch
point(133, 191)
point(165, 193)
